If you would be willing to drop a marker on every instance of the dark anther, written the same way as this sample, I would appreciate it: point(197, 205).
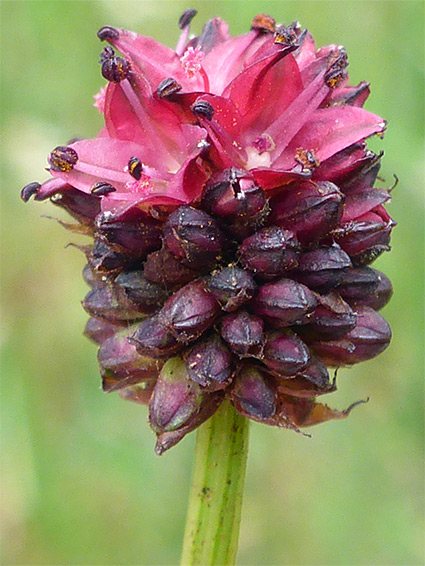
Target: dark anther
point(135, 168)
point(263, 23)
point(115, 69)
point(337, 63)
point(287, 35)
point(168, 87)
point(63, 158)
point(107, 53)
point(186, 18)
point(307, 159)
point(29, 190)
point(108, 33)
point(101, 189)
point(204, 108)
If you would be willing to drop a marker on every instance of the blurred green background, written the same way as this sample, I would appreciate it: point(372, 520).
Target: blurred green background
point(80, 482)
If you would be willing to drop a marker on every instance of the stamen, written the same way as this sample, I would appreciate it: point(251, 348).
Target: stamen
point(168, 87)
point(306, 159)
point(203, 108)
point(192, 61)
point(135, 168)
point(101, 189)
point(287, 35)
point(29, 190)
point(186, 18)
point(263, 23)
point(114, 69)
point(63, 158)
point(108, 33)
point(337, 63)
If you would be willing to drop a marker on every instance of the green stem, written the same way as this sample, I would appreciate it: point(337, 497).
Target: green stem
point(215, 502)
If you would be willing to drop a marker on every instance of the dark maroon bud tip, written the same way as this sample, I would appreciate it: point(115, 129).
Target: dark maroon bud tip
point(29, 190)
point(210, 363)
point(263, 23)
point(285, 353)
point(203, 108)
point(186, 18)
point(135, 168)
point(168, 87)
point(63, 158)
point(244, 333)
point(115, 69)
point(253, 394)
point(102, 189)
point(108, 33)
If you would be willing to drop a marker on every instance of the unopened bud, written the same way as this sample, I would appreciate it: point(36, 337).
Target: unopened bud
point(209, 363)
point(104, 259)
point(175, 399)
point(154, 338)
point(102, 302)
point(365, 286)
point(285, 301)
point(147, 295)
point(244, 333)
point(331, 319)
point(285, 353)
point(270, 251)
point(370, 337)
point(232, 287)
point(253, 394)
point(163, 268)
point(322, 269)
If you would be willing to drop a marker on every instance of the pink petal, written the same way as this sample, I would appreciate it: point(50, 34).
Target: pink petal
point(331, 130)
point(269, 179)
point(357, 204)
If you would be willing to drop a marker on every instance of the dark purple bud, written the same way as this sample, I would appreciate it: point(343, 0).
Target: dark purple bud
point(313, 380)
point(147, 295)
point(98, 330)
point(322, 269)
point(209, 363)
point(310, 210)
point(233, 195)
point(365, 286)
point(186, 18)
point(153, 338)
point(108, 33)
point(101, 189)
point(270, 251)
point(285, 301)
point(253, 394)
point(244, 333)
point(263, 23)
point(121, 365)
point(203, 108)
point(63, 158)
point(135, 168)
point(168, 87)
point(285, 354)
point(104, 259)
point(331, 319)
point(102, 302)
point(135, 237)
point(190, 311)
point(369, 338)
point(114, 68)
point(175, 399)
point(232, 287)
point(29, 190)
point(81, 206)
point(163, 268)
point(365, 238)
point(192, 236)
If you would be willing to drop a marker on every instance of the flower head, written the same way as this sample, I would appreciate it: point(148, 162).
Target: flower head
point(230, 197)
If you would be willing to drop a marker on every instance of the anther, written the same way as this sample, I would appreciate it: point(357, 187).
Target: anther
point(29, 190)
point(337, 63)
point(108, 33)
point(107, 53)
point(135, 168)
point(287, 35)
point(263, 23)
point(63, 158)
point(115, 69)
point(186, 18)
point(203, 108)
point(101, 189)
point(168, 87)
point(307, 159)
